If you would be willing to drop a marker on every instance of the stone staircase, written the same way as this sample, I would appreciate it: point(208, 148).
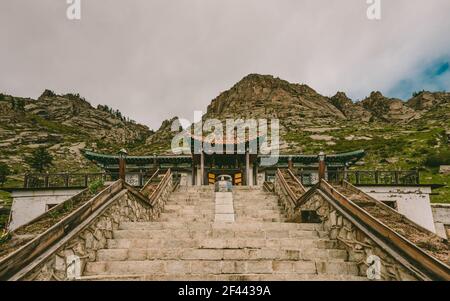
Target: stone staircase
point(186, 244)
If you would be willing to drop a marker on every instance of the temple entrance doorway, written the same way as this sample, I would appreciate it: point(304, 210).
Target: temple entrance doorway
point(236, 174)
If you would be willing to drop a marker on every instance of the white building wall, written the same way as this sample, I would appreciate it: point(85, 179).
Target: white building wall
point(29, 204)
point(413, 202)
point(441, 215)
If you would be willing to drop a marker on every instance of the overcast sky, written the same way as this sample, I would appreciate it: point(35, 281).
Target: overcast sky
point(154, 59)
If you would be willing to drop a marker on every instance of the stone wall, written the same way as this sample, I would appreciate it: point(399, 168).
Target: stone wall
point(285, 200)
point(70, 258)
point(356, 242)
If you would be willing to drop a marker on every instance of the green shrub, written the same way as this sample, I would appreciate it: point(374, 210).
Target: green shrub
point(4, 236)
point(95, 186)
point(437, 159)
point(40, 159)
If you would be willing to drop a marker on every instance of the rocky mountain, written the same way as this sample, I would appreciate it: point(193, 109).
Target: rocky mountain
point(64, 124)
point(351, 110)
point(396, 134)
point(310, 121)
point(258, 96)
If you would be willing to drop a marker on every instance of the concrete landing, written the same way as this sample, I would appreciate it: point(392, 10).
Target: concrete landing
point(224, 209)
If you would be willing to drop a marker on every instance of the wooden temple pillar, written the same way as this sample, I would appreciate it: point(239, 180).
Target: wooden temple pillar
point(122, 164)
point(202, 168)
point(248, 169)
point(194, 174)
point(290, 164)
point(322, 166)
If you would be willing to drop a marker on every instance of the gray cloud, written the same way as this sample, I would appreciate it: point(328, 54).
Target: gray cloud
point(156, 59)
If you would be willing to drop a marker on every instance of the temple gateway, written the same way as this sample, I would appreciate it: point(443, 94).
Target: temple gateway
point(245, 168)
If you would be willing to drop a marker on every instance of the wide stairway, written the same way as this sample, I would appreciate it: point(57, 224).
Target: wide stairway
point(186, 244)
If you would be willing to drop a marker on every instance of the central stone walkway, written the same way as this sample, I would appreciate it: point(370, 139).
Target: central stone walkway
point(196, 239)
point(224, 207)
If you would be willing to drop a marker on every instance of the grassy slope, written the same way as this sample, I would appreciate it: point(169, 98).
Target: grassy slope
point(405, 146)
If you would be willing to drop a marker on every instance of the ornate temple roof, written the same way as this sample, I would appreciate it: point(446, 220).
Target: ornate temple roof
point(333, 159)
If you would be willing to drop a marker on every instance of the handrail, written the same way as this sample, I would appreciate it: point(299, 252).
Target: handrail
point(156, 193)
point(267, 186)
point(306, 196)
point(72, 180)
point(150, 180)
point(137, 194)
point(296, 180)
point(23, 256)
point(369, 177)
point(432, 265)
point(286, 187)
point(386, 207)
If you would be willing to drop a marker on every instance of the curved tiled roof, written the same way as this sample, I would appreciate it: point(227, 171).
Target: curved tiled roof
point(105, 159)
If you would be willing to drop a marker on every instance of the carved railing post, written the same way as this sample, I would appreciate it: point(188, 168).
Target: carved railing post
point(322, 166)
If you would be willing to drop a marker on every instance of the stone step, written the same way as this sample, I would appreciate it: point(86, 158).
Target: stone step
point(209, 226)
point(220, 243)
point(193, 219)
point(254, 194)
point(174, 206)
point(192, 195)
point(223, 277)
point(217, 233)
point(176, 216)
point(259, 213)
point(244, 219)
point(190, 201)
point(220, 267)
point(253, 200)
point(188, 212)
point(257, 206)
point(220, 254)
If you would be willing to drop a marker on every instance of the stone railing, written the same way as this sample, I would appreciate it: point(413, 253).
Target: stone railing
point(61, 252)
point(284, 186)
point(162, 191)
point(422, 265)
point(362, 177)
point(150, 185)
point(361, 234)
point(79, 180)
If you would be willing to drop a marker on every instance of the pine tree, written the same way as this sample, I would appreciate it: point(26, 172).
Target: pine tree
point(4, 173)
point(40, 159)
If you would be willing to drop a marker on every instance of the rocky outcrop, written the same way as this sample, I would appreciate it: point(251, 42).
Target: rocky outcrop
point(160, 141)
point(62, 124)
point(388, 109)
point(351, 110)
point(426, 100)
point(299, 108)
point(259, 96)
